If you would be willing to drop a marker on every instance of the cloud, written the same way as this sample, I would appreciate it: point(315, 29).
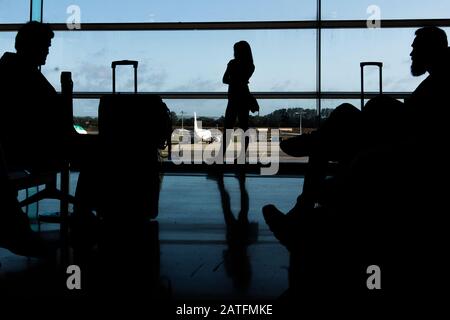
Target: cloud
point(149, 78)
point(198, 85)
point(91, 77)
point(404, 84)
point(285, 85)
point(100, 53)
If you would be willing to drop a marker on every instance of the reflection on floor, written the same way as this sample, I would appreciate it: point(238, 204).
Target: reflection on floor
point(204, 250)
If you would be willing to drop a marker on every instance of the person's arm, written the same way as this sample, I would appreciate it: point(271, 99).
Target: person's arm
point(251, 71)
point(227, 75)
point(249, 74)
point(244, 74)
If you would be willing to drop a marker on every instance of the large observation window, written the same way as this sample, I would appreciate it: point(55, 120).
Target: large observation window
point(188, 64)
point(388, 9)
point(343, 50)
point(181, 11)
point(14, 11)
point(7, 40)
point(183, 61)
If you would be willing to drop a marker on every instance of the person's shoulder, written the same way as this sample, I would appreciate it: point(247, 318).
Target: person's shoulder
point(9, 70)
point(424, 85)
point(8, 59)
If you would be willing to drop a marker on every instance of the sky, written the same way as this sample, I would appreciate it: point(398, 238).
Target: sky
point(180, 61)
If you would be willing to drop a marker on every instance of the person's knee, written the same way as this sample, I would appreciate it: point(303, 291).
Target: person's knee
point(344, 113)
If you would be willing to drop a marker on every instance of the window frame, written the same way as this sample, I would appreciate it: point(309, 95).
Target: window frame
point(319, 25)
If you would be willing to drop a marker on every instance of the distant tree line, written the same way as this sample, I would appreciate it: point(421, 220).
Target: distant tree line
point(90, 124)
point(281, 118)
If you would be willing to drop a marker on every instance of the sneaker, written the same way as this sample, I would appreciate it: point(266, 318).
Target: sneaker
point(301, 146)
point(280, 225)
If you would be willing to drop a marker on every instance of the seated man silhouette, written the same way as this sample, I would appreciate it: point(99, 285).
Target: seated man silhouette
point(36, 126)
point(384, 206)
point(342, 138)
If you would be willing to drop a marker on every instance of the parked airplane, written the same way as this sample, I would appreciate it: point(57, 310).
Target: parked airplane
point(80, 129)
point(204, 135)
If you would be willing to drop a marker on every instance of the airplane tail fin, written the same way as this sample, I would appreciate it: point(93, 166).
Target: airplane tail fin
point(195, 122)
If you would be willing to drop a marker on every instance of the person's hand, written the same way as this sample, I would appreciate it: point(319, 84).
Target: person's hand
point(254, 109)
point(66, 83)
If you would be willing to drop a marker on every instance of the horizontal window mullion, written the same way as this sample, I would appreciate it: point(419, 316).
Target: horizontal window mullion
point(385, 24)
point(258, 95)
point(248, 25)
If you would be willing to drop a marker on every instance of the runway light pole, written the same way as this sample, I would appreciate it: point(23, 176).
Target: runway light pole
point(182, 120)
point(301, 115)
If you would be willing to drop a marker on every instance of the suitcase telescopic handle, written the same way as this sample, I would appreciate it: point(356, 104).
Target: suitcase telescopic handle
point(133, 63)
point(125, 63)
point(375, 64)
point(371, 64)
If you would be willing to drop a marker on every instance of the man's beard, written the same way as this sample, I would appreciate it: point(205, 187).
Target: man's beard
point(417, 69)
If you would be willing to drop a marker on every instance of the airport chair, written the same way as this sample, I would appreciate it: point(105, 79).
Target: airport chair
point(24, 180)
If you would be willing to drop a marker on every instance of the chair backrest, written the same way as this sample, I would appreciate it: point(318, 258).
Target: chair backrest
point(21, 179)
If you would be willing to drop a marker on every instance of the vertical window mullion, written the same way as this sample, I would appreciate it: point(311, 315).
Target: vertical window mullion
point(319, 62)
point(36, 10)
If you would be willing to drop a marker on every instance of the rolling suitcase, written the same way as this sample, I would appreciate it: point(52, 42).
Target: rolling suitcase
point(380, 68)
point(132, 128)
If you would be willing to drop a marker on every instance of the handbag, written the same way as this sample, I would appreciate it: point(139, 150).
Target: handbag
point(253, 104)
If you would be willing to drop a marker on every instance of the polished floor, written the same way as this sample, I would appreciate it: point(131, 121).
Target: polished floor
point(201, 255)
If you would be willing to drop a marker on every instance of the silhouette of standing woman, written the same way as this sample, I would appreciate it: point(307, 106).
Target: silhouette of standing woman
point(237, 76)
